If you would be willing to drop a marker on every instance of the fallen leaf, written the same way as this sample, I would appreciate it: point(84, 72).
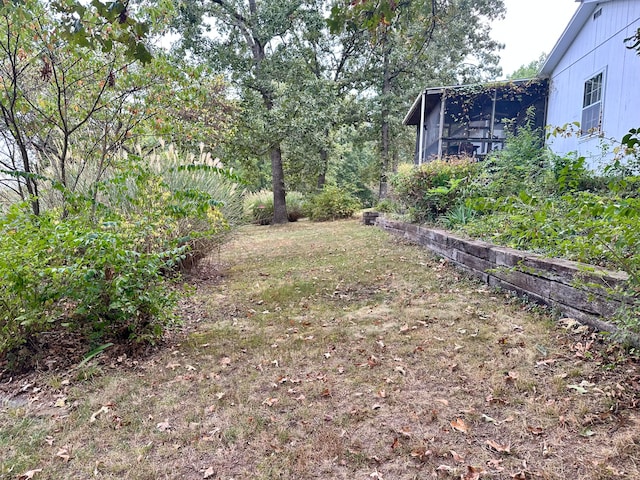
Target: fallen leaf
point(493, 400)
point(395, 443)
point(488, 419)
point(270, 402)
point(511, 377)
point(443, 401)
point(456, 456)
point(64, 454)
point(173, 366)
point(163, 426)
point(382, 394)
point(578, 388)
point(499, 448)
point(459, 425)
point(495, 464)
point(29, 474)
point(400, 370)
point(535, 430)
point(473, 473)
point(208, 473)
point(49, 439)
point(103, 409)
point(60, 403)
point(421, 453)
point(522, 475)
point(447, 469)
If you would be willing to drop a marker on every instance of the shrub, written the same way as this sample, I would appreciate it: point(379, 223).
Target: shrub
point(258, 207)
point(332, 203)
point(387, 205)
point(101, 266)
point(433, 188)
point(295, 206)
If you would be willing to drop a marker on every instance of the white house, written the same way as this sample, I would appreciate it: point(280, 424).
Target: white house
point(594, 79)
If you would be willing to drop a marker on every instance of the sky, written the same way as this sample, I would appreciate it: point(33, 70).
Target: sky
point(529, 29)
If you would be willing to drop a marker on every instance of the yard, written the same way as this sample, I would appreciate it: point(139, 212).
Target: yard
point(334, 351)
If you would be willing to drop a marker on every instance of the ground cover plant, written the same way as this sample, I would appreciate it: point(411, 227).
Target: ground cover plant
point(330, 350)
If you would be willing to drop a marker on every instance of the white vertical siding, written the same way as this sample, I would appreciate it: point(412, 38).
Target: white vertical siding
point(598, 47)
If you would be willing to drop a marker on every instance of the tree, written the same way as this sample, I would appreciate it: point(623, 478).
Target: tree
point(529, 70)
point(39, 63)
point(413, 43)
point(250, 42)
point(70, 102)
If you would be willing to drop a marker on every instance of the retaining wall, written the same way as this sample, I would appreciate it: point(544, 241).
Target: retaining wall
point(579, 291)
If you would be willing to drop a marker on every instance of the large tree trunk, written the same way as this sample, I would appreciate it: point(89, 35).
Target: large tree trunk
point(324, 166)
point(279, 193)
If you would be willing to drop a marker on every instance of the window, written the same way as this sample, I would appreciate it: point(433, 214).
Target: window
point(592, 105)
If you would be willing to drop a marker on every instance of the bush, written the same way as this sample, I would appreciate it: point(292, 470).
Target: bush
point(258, 207)
point(332, 203)
point(101, 266)
point(295, 206)
point(433, 188)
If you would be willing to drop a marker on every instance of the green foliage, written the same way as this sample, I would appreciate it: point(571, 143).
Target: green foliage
point(102, 266)
point(295, 206)
point(332, 203)
point(520, 164)
point(460, 214)
point(258, 207)
point(433, 188)
point(387, 205)
point(529, 70)
point(570, 173)
point(526, 198)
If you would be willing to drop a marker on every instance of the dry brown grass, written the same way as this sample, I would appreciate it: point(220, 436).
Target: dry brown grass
point(333, 351)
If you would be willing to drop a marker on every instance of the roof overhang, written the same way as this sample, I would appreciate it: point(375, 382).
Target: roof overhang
point(433, 96)
point(580, 17)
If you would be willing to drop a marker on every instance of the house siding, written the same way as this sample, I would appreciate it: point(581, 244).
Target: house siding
point(599, 47)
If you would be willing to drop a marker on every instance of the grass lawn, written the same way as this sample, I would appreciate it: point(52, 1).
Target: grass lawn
point(335, 351)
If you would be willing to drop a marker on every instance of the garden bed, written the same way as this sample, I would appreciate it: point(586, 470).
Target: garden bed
point(584, 292)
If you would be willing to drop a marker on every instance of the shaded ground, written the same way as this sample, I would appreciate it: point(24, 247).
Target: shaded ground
point(333, 351)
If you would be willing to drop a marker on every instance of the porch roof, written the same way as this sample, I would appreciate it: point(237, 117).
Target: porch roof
point(434, 94)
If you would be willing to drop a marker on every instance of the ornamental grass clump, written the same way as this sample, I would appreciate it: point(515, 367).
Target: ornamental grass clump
point(258, 207)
